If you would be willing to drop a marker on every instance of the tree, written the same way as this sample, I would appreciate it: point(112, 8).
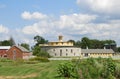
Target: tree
point(78, 43)
point(85, 42)
point(118, 49)
point(5, 43)
point(25, 45)
point(12, 42)
point(38, 52)
point(71, 41)
point(39, 40)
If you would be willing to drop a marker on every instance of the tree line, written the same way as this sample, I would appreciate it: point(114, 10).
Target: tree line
point(95, 43)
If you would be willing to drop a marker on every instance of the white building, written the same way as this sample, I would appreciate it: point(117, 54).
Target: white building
point(66, 49)
point(61, 48)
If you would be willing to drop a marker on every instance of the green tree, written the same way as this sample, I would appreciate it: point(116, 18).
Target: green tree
point(38, 52)
point(39, 40)
point(12, 42)
point(71, 41)
point(85, 42)
point(25, 45)
point(78, 43)
point(5, 43)
point(118, 48)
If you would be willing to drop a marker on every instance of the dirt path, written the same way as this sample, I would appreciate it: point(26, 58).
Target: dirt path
point(18, 77)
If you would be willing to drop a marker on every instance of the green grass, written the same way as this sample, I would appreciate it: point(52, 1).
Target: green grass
point(45, 70)
point(41, 70)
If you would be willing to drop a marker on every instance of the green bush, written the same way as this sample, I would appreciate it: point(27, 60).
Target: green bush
point(40, 59)
point(109, 68)
point(5, 60)
point(67, 70)
point(117, 71)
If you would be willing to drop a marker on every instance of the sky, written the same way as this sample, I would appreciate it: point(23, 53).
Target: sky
point(74, 19)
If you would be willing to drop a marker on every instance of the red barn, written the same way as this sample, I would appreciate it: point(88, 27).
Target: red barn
point(18, 52)
point(3, 51)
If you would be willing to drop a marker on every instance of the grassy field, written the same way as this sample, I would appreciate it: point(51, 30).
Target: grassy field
point(29, 71)
point(41, 70)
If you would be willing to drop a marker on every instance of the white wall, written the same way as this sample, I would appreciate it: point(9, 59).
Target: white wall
point(63, 51)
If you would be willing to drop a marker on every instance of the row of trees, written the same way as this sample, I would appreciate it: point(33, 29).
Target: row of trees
point(94, 43)
point(9, 42)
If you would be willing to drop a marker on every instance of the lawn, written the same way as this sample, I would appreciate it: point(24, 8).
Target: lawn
point(46, 70)
point(41, 70)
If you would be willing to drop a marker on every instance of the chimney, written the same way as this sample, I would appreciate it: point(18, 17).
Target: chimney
point(60, 38)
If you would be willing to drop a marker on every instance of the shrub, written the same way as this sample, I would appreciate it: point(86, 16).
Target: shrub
point(109, 68)
point(40, 59)
point(5, 60)
point(67, 70)
point(117, 71)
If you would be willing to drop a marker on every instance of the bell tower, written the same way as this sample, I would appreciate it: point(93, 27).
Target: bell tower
point(60, 38)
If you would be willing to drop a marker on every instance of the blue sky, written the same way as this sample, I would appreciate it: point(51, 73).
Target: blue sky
point(74, 19)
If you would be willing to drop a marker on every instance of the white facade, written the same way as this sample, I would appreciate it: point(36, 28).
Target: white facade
point(62, 51)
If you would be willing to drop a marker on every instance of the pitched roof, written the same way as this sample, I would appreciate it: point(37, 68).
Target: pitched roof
point(5, 47)
point(23, 49)
point(97, 51)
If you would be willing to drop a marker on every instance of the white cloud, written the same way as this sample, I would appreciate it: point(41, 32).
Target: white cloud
point(40, 28)
point(36, 15)
point(75, 25)
point(3, 29)
point(73, 21)
point(101, 6)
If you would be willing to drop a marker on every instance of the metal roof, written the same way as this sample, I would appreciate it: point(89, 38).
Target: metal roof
point(5, 47)
point(23, 49)
point(97, 51)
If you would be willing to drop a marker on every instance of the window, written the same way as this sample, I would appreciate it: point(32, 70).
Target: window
point(86, 54)
point(66, 54)
point(53, 49)
point(66, 49)
point(56, 43)
point(60, 52)
point(71, 51)
point(5, 55)
point(55, 54)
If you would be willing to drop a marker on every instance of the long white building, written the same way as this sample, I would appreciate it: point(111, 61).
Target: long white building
point(67, 49)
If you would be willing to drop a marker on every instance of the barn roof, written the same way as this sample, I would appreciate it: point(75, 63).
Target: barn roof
point(5, 47)
point(97, 51)
point(23, 49)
